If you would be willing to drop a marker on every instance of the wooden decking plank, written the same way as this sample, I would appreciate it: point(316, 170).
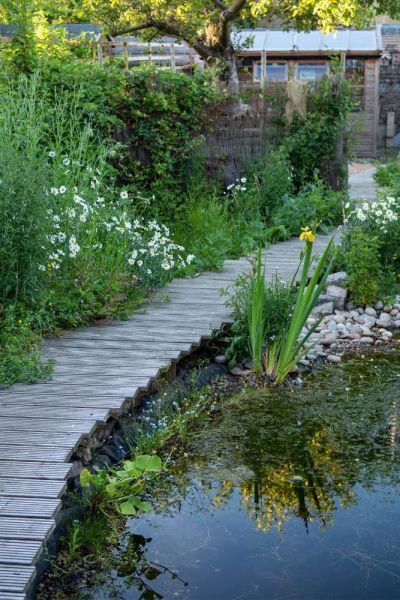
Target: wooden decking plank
point(18, 528)
point(31, 488)
point(41, 470)
point(19, 553)
point(112, 403)
point(47, 412)
point(14, 506)
point(36, 453)
point(15, 579)
point(28, 424)
point(36, 438)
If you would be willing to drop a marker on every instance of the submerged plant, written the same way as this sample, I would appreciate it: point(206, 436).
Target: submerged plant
point(288, 348)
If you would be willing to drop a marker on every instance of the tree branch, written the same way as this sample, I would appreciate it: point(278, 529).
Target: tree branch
point(233, 11)
point(220, 4)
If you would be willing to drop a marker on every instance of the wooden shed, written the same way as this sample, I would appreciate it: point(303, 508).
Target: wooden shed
point(274, 56)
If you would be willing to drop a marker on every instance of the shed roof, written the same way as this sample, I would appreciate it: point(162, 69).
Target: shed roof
point(272, 40)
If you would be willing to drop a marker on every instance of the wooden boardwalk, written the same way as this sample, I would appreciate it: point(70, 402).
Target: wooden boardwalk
point(99, 371)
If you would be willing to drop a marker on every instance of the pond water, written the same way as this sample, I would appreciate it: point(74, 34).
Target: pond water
point(288, 494)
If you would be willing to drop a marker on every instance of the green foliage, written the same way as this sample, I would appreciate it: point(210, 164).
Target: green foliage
point(155, 113)
point(214, 227)
point(316, 144)
point(24, 226)
point(20, 358)
point(360, 257)
point(314, 203)
point(273, 180)
point(278, 301)
point(121, 489)
point(256, 315)
point(388, 175)
point(283, 353)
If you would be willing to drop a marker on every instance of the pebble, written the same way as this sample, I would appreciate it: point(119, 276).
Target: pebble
point(334, 359)
point(384, 320)
point(386, 333)
point(304, 362)
point(394, 312)
point(366, 340)
point(332, 326)
point(220, 359)
point(378, 305)
point(387, 308)
point(329, 339)
point(370, 311)
point(236, 371)
point(340, 319)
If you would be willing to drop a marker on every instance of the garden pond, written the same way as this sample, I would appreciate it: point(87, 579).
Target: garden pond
point(289, 493)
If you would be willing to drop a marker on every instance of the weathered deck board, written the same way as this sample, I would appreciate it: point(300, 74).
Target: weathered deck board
point(99, 371)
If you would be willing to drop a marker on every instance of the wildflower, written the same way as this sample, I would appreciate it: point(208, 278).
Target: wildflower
point(54, 191)
point(307, 235)
point(73, 246)
point(66, 162)
point(190, 258)
point(124, 195)
point(52, 154)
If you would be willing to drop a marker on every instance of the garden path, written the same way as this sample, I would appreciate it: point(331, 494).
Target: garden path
point(99, 372)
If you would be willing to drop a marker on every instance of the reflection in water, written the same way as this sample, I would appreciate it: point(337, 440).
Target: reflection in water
point(289, 493)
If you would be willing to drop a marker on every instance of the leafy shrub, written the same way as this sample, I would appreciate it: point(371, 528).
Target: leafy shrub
point(214, 227)
point(370, 249)
point(317, 144)
point(360, 257)
point(388, 175)
point(154, 113)
point(273, 180)
point(314, 204)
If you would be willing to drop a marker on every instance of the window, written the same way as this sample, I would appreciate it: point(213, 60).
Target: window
point(275, 71)
point(310, 71)
point(354, 73)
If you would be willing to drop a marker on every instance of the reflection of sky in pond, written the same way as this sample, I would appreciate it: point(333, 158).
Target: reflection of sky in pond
point(286, 496)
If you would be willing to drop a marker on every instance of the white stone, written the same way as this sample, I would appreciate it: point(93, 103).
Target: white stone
point(378, 305)
point(384, 320)
point(369, 321)
point(334, 359)
point(366, 340)
point(370, 311)
point(324, 309)
point(340, 318)
point(332, 326)
point(329, 339)
point(337, 278)
point(338, 295)
point(387, 308)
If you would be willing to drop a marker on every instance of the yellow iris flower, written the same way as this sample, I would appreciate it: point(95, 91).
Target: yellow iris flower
point(307, 235)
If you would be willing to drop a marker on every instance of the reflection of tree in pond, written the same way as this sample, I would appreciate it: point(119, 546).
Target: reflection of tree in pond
point(138, 571)
point(307, 448)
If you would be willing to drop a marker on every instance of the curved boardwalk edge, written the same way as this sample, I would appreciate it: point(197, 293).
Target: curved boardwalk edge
point(99, 372)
